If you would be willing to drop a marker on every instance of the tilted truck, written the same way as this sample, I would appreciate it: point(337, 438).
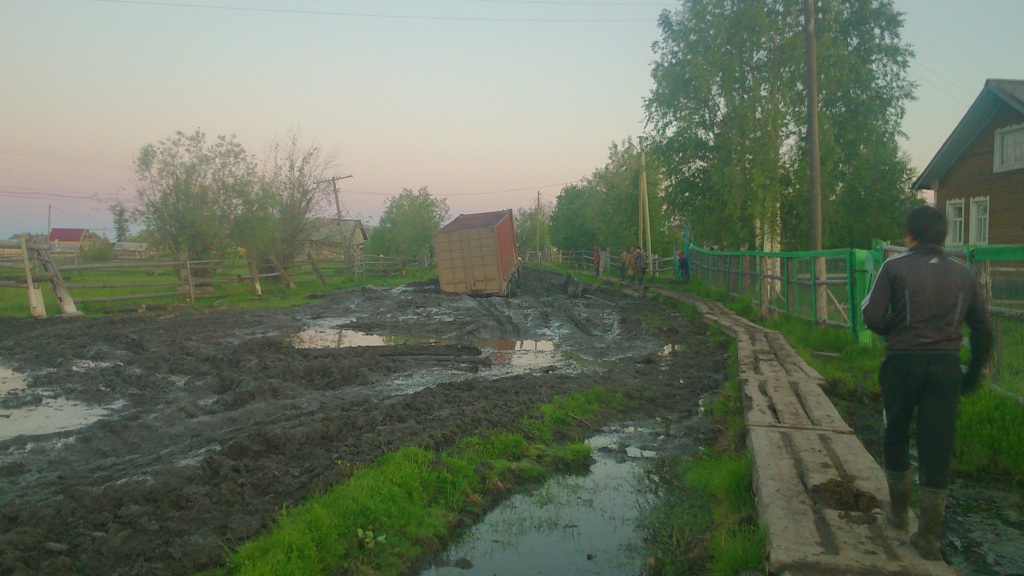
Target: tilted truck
point(476, 254)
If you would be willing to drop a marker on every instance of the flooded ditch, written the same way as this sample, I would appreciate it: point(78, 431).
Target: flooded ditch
point(584, 524)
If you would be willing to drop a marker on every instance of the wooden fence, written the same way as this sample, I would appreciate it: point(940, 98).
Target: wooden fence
point(27, 264)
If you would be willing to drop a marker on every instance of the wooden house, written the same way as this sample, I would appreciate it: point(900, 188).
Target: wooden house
point(69, 239)
point(978, 173)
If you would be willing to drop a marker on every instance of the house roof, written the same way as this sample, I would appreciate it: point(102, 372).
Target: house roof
point(481, 220)
point(67, 234)
point(995, 94)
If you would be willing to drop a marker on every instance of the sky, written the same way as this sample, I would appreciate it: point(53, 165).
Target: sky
point(485, 102)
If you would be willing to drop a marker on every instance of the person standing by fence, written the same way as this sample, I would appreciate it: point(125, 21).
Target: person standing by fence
point(918, 303)
point(597, 261)
point(623, 262)
point(640, 263)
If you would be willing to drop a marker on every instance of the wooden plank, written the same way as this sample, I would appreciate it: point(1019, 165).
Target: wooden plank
point(808, 537)
point(783, 505)
point(818, 407)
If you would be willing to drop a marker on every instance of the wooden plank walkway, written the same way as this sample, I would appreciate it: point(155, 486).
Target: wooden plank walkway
point(819, 492)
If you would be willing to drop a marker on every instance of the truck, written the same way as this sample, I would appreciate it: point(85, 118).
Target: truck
point(476, 254)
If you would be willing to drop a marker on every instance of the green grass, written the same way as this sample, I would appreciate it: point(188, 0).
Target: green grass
point(705, 520)
point(407, 503)
point(226, 291)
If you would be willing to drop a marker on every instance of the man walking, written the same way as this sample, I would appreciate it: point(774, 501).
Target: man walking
point(918, 303)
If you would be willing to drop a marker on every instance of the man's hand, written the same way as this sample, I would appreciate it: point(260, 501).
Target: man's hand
point(971, 379)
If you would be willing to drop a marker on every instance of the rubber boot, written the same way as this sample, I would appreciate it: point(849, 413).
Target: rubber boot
point(932, 504)
point(901, 484)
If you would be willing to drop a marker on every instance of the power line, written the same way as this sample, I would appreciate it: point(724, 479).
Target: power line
point(62, 157)
point(375, 15)
point(940, 89)
point(366, 193)
point(553, 3)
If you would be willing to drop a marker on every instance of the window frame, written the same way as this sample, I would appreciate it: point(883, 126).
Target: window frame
point(997, 155)
point(978, 201)
point(950, 204)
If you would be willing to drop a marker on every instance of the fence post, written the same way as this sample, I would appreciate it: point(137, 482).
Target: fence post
point(785, 283)
point(851, 293)
point(760, 283)
point(814, 291)
point(36, 304)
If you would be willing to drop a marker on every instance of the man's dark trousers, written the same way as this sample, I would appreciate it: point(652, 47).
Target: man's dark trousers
point(929, 384)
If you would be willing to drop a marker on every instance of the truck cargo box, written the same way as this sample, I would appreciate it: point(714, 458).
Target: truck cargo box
point(476, 254)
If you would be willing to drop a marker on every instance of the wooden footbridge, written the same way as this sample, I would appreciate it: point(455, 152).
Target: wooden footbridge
point(819, 493)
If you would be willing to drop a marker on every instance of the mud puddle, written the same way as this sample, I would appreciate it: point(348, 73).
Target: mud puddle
point(986, 531)
point(573, 524)
point(32, 414)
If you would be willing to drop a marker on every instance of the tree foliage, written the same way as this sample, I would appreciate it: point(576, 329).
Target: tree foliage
point(728, 113)
point(208, 198)
point(527, 221)
point(603, 209)
point(122, 219)
point(294, 188)
point(191, 193)
point(406, 228)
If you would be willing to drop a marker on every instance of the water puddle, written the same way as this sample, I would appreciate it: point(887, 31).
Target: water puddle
point(10, 380)
point(572, 525)
point(340, 338)
point(987, 531)
point(51, 415)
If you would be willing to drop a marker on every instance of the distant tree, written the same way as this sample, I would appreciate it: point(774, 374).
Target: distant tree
point(292, 192)
point(406, 228)
point(121, 221)
point(728, 114)
point(191, 193)
point(527, 220)
point(603, 210)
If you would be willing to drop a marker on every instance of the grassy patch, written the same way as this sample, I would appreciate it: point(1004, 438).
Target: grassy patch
point(704, 520)
point(389, 514)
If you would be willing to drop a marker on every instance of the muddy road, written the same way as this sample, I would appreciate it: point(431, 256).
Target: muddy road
point(148, 444)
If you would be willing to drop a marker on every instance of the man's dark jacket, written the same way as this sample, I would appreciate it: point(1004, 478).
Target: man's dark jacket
point(919, 301)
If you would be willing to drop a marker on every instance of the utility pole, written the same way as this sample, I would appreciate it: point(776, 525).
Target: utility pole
point(645, 209)
point(49, 213)
point(538, 226)
point(814, 158)
point(814, 164)
point(337, 200)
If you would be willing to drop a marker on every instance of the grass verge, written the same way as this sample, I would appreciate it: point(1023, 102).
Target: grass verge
point(704, 519)
point(392, 513)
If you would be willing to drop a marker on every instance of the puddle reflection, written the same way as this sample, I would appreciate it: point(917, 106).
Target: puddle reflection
point(340, 338)
point(571, 525)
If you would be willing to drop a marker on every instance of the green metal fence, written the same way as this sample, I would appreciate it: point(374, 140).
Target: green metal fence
point(824, 287)
point(827, 287)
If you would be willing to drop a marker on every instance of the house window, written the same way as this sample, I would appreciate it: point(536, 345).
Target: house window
point(979, 220)
point(1009, 152)
point(955, 217)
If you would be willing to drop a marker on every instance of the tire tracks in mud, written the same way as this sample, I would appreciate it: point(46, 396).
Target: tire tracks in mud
point(507, 326)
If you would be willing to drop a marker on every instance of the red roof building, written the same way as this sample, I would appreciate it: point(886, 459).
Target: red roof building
point(75, 235)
